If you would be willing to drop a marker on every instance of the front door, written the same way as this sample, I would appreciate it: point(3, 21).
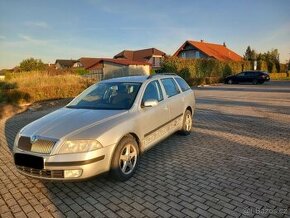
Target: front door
point(152, 119)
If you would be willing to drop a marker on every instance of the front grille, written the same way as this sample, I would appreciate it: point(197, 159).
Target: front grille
point(42, 173)
point(29, 161)
point(42, 146)
point(39, 146)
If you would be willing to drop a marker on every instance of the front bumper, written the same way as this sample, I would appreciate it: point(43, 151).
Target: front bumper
point(56, 167)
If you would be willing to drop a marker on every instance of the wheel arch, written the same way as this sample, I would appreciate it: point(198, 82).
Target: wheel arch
point(189, 108)
point(130, 134)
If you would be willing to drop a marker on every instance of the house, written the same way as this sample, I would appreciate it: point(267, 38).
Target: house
point(109, 68)
point(64, 64)
point(152, 56)
point(196, 49)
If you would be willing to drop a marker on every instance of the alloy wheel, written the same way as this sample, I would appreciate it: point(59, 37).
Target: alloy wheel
point(128, 159)
point(188, 122)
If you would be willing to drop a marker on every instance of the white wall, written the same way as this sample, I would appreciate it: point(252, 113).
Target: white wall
point(111, 70)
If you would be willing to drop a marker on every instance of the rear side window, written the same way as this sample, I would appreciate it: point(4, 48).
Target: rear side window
point(152, 92)
point(170, 87)
point(249, 73)
point(261, 74)
point(182, 84)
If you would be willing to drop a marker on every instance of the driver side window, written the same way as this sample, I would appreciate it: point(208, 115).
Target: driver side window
point(153, 92)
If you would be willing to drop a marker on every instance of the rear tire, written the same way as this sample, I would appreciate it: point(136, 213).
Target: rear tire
point(126, 159)
point(187, 123)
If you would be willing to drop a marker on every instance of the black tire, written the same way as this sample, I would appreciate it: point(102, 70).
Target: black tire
point(255, 82)
point(230, 81)
point(116, 165)
point(186, 128)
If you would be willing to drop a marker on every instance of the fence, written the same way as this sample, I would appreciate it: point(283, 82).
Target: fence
point(94, 76)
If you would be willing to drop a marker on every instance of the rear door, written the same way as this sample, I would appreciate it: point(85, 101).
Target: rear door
point(174, 99)
point(250, 76)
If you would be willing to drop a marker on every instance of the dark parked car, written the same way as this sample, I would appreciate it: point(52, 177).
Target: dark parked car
point(254, 77)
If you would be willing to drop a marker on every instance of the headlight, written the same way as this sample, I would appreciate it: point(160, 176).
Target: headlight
point(79, 146)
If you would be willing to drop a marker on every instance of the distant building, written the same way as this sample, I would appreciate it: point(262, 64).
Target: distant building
point(64, 64)
point(109, 68)
point(152, 56)
point(195, 49)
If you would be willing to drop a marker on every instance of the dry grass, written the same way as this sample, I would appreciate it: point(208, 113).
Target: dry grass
point(280, 76)
point(7, 110)
point(40, 86)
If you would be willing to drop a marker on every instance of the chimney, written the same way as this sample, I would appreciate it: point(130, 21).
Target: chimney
point(201, 40)
point(224, 44)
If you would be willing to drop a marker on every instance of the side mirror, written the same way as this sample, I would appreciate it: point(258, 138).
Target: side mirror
point(150, 103)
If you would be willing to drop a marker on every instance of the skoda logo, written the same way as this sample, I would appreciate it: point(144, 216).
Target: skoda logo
point(33, 139)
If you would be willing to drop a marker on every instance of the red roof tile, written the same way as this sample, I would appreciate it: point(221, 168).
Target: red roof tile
point(217, 51)
point(88, 62)
point(139, 55)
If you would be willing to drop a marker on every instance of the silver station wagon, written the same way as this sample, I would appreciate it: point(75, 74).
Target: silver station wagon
point(105, 128)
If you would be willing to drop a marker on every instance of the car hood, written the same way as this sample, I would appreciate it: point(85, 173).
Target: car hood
point(65, 122)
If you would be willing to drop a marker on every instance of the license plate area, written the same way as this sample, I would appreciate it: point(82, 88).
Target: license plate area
point(28, 160)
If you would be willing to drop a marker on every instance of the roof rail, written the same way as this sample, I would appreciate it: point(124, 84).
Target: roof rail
point(161, 74)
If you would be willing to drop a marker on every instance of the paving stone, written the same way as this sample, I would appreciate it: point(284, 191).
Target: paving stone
point(237, 157)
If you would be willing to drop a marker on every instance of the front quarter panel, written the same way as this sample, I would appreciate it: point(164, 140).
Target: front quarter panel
point(111, 132)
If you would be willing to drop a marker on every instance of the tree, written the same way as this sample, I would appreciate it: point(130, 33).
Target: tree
point(250, 54)
point(31, 64)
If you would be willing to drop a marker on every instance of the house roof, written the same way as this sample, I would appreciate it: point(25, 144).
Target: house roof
point(92, 63)
point(65, 63)
point(139, 55)
point(88, 62)
point(217, 51)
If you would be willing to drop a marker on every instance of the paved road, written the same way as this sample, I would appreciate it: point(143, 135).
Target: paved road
point(235, 163)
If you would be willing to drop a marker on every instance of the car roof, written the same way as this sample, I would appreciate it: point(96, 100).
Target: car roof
point(139, 79)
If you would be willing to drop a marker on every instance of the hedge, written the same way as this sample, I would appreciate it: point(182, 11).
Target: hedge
point(203, 71)
point(207, 71)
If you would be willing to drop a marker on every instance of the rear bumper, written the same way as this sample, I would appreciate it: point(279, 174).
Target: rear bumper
point(56, 167)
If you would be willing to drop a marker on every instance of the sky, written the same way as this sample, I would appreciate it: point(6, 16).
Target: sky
point(70, 29)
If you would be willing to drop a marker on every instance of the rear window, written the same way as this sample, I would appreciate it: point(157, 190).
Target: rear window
point(182, 84)
point(170, 87)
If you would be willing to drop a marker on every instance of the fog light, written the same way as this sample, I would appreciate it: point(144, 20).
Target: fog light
point(72, 173)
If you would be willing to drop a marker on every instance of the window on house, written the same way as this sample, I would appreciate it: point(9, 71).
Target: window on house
point(183, 54)
point(156, 61)
point(197, 54)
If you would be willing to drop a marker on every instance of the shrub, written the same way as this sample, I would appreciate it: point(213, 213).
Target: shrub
point(31, 64)
point(81, 71)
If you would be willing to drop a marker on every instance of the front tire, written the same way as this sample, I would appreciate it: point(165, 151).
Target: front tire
point(126, 159)
point(187, 123)
point(230, 81)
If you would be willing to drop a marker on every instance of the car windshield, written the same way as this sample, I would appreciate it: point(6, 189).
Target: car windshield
point(107, 96)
